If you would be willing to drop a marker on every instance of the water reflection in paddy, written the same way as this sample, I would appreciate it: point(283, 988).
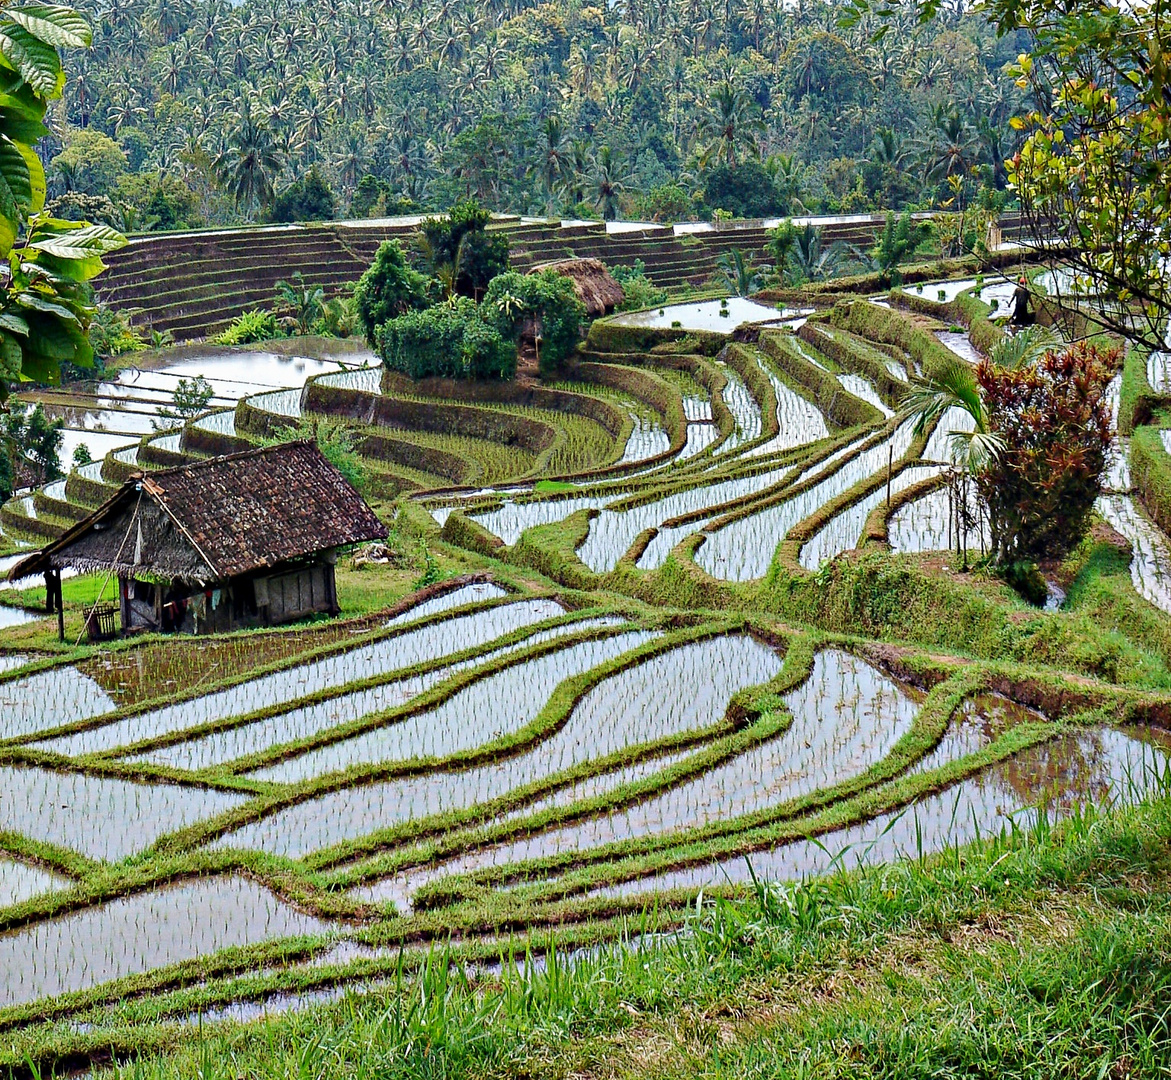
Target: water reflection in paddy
point(101, 817)
point(404, 650)
point(685, 689)
point(487, 709)
point(846, 717)
point(140, 933)
point(1070, 771)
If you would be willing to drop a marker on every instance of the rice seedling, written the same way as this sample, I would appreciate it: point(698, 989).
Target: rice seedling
point(491, 707)
point(743, 549)
point(1150, 568)
point(843, 531)
point(403, 650)
point(100, 817)
point(1056, 779)
point(43, 700)
point(19, 881)
point(923, 525)
point(641, 704)
point(139, 933)
point(301, 723)
point(846, 716)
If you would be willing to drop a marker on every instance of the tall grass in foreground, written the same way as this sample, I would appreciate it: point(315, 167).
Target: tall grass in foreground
point(1041, 952)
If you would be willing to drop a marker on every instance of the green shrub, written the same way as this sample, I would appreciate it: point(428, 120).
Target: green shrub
point(450, 341)
point(111, 335)
point(388, 289)
point(546, 301)
point(639, 291)
point(254, 325)
point(308, 198)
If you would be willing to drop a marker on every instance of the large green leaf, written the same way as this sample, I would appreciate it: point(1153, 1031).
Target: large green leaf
point(10, 357)
point(20, 126)
point(36, 60)
point(75, 270)
point(38, 188)
point(78, 243)
point(9, 217)
point(13, 323)
point(59, 26)
point(14, 169)
point(35, 302)
point(50, 336)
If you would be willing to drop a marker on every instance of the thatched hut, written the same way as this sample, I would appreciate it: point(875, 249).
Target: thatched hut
point(594, 284)
point(244, 540)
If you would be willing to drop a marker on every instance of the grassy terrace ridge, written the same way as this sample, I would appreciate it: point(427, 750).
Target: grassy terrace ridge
point(488, 843)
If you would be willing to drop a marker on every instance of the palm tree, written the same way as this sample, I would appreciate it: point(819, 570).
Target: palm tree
point(733, 119)
point(609, 183)
point(740, 276)
point(809, 261)
point(554, 159)
point(250, 162)
point(953, 386)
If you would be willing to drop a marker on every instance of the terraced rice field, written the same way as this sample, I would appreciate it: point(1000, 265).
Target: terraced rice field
point(633, 695)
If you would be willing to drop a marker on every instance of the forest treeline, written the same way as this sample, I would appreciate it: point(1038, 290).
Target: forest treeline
point(187, 113)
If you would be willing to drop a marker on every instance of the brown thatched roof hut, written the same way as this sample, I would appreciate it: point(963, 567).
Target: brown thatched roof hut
point(594, 284)
point(256, 530)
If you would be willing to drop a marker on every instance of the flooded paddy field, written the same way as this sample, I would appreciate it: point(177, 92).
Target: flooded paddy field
point(516, 744)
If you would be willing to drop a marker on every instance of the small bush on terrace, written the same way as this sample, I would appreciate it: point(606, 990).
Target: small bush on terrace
point(638, 289)
point(254, 325)
point(542, 306)
point(450, 340)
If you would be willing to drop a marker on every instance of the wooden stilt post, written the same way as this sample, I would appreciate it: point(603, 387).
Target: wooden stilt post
point(60, 605)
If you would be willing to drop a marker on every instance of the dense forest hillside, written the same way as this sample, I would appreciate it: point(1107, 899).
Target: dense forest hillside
point(203, 113)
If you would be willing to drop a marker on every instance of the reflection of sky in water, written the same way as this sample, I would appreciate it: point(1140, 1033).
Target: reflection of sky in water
point(100, 817)
point(412, 647)
point(1070, 770)
point(138, 933)
point(47, 699)
point(847, 716)
point(685, 689)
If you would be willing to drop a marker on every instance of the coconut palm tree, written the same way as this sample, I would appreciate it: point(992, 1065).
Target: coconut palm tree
point(732, 121)
point(250, 163)
point(609, 182)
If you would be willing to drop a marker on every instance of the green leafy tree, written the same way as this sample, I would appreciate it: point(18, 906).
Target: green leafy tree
point(90, 163)
point(388, 289)
point(900, 238)
point(461, 252)
point(250, 162)
point(732, 123)
point(308, 198)
point(190, 398)
point(1095, 171)
point(46, 304)
point(740, 276)
point(746, 191)
point(33, 446)
point(450, 340)
point(300, 301)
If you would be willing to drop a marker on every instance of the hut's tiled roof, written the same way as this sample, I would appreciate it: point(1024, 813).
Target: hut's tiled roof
point(263, 507)
point(220, 517)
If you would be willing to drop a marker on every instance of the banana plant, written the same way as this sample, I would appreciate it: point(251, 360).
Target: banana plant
point(46, 302)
